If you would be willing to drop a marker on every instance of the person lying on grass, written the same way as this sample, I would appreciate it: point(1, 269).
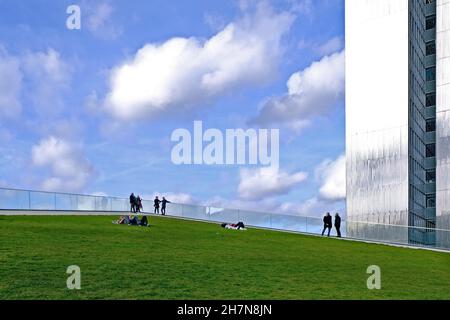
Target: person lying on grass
point(122, 220)
point(132, 221)
point(234, 226)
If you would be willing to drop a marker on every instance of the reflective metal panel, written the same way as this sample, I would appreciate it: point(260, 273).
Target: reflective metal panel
point(443, 121)
point(377, 114)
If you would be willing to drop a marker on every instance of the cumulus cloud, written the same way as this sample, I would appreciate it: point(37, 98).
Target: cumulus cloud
point(10, 85)
point(267, 182)
point(69, 169)
point(49, 75)
point(312, 92)
point(333, 177)
point(184, 72)
point(40, 77)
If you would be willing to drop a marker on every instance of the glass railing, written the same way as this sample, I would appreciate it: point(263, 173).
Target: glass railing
point(13, 199)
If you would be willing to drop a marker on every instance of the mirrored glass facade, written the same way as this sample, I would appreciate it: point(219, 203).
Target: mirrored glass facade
point(397, 118)
point(443, 120)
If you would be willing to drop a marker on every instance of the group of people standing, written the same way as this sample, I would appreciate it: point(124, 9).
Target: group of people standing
point(163, 203)
point(136, 204)
point(328, 224)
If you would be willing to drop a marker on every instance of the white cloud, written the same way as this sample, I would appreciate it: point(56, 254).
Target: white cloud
point(41, 77)
point(10, 85)
point(312, 92)
point(185, 72)
point(215, 22)
point(99, 20)
point(331, 46)
point(313, 207)
point(333, 177)
point(261, 183)
point(304, 7)
point(69, 169)
point(100, 194)
point(49, 75)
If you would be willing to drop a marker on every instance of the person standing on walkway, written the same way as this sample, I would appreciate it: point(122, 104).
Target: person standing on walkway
point(139, 204)
point(156, 204)
point(337, 224)
point(163, 206)
point(327, 223)
point(132, 203)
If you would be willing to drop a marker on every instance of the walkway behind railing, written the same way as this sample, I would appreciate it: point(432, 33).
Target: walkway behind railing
point(26, 200)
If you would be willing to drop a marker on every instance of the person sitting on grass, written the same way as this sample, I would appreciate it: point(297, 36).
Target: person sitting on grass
point(134, 221)
point(144, 222)
point(120, 220)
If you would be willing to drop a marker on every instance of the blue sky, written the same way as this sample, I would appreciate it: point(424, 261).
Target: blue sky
point(91, 111)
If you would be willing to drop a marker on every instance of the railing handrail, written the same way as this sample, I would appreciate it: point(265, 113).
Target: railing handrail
point(395, 225)
point(62, 193)
point(184, 204)
point(223, 208)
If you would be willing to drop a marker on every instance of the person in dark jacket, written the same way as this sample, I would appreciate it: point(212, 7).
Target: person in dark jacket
point(134, 221)
point(337, 224)
point(144, 221)
point(327, 223)
point(156, 203)
point(138, 204)
point(163, 206)
point(132, 203)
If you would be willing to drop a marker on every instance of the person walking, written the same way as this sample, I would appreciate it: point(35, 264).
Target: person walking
point(327, 223)
point(156, 204)
point(132, 203)
point(337, 224)
point(163, 206)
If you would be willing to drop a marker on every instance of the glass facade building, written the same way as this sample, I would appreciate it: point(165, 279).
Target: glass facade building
point(398, 118)
point(443, 120)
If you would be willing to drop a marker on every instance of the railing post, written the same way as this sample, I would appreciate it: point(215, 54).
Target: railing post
point(306, 224)
point(29, 200)
point(54, 204)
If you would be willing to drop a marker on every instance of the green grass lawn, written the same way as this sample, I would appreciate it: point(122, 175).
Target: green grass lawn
point(177, 259)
